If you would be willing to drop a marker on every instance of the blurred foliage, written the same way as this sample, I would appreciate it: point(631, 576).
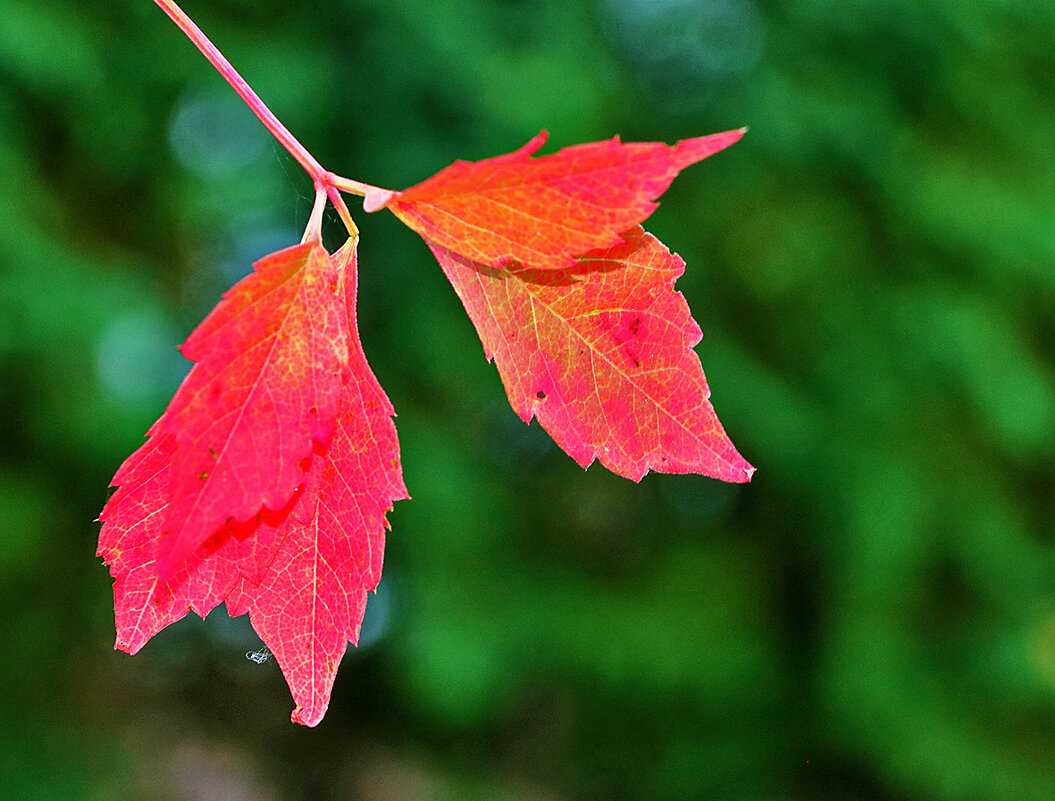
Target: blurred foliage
point(872, 618)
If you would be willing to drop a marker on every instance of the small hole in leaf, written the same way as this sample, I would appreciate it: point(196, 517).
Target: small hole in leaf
point(540, 395)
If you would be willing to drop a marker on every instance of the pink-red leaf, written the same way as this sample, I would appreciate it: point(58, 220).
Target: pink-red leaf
point(271, 361)
point(544, 212)
point(601, 354)
point(310, 603)
point(302, 571)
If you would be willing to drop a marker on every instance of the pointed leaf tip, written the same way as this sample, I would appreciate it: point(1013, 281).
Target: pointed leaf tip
point(532, 146)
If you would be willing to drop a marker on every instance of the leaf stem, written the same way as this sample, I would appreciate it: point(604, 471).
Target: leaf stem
point(342, 209)
point(322, 178)
point(313, 230)
point(353, 187)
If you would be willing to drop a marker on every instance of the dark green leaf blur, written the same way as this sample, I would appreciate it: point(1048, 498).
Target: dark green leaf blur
point(873, 267)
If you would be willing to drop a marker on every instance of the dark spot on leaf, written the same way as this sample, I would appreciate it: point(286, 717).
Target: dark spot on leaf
point(212, 453)
point(313, 410)
point(203, 476)
point(540, 395)
point(634, 326)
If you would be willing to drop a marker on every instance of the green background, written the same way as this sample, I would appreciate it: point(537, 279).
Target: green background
point(873, 266)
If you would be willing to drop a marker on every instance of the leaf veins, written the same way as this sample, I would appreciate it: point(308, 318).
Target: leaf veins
point(601, 354)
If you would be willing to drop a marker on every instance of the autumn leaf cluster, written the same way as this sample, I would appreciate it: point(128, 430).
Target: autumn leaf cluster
point(266, 482)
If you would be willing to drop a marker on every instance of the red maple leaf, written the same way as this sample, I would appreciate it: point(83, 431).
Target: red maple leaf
point(544, 212)
point(601, 353)
point(301, 571)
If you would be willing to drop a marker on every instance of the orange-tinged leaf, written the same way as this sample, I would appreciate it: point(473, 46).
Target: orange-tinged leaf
point(271, 359)
point(601, 353)
point(303, 571)
point(544, 212)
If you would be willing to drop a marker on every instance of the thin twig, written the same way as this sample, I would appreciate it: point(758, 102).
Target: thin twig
point(238, 83)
